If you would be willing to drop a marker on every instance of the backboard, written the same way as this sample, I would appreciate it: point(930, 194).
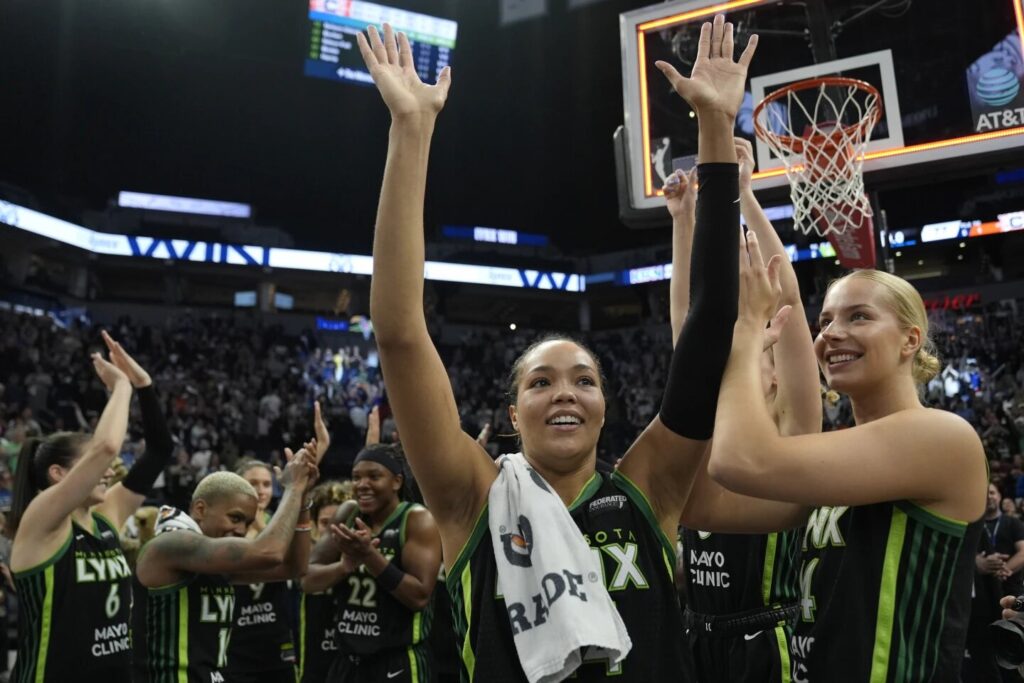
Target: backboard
point(951, 76)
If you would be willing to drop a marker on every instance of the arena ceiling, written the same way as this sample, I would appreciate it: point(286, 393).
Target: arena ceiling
point(209, 100)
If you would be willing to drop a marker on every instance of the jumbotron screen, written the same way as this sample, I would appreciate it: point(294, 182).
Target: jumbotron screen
point(333, 53)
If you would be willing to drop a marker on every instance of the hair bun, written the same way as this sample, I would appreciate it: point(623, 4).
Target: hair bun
point(926, 366)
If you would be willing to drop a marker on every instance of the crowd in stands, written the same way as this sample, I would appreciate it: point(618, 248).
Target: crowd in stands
point(235, 389)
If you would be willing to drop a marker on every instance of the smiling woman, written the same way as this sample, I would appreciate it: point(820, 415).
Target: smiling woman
point(861, 297)
point(71, 574)
point(545, 427)
point(558, 410)
point(382, 568)
point(890, 505)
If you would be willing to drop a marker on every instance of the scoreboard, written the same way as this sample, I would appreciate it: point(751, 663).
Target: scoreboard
point(334, 55)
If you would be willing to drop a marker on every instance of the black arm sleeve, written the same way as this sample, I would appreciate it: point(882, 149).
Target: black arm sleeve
point(159, 445)
point(702, 350)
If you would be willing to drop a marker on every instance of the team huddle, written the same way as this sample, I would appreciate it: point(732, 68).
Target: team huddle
point(800, 555)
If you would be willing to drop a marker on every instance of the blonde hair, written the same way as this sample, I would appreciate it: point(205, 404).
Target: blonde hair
point(908, 306)
point(330, 493)
point(221, 484)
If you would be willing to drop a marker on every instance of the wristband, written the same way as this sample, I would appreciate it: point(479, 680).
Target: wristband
point(390, 577)
point(304, 527)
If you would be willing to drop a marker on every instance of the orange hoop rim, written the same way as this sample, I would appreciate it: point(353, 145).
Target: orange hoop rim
point(790, 142)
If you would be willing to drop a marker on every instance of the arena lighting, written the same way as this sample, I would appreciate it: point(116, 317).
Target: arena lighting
point(163, 202)
point(642, 47)
point(880, 154)
point(949, 142)
point(138, 246)
point(697, 13)
point(297, 259)
point(651, 191)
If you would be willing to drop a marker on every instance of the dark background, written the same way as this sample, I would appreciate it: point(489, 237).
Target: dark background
point(207, 99)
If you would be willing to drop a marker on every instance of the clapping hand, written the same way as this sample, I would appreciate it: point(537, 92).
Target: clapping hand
point(745, 158)
point(108, 373)
point(759, 282)
point(356, 542)
point(125, 363)
point(301, 468)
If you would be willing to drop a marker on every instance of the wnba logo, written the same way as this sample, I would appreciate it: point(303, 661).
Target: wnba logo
point(997, 87)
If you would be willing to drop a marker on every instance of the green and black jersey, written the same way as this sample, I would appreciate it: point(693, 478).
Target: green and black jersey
point(637, 561)
point(188, 628)
point(261, 638)
point(730, 573)
point(317, 629)
point(885, 595)
point(74, 611)
point(369, 619)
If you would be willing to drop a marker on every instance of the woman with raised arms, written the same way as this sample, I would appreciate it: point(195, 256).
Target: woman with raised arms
point(556, 395)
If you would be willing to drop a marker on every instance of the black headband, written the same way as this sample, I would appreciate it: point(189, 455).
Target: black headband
point(381, 457)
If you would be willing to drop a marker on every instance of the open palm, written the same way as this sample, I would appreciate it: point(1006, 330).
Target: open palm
point(390, 62)
point(717, 80)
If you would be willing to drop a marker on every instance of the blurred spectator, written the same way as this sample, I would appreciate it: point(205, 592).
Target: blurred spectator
point(236, 388)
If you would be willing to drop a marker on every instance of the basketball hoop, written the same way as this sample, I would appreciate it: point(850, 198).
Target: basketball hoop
point(825, 162)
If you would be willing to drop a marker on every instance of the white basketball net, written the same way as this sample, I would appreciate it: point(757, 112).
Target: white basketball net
point(824, 154)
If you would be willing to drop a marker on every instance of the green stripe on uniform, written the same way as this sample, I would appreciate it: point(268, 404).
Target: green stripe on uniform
point(466, 552)
point(639, 499)
point(44, 626)
point(468, 656)
point(769, 568)
point(414, 669)
point(929, 518)
point(905, 657)
point(784, 666)
point(183, 635)
point(588, 490)
point(955, 546)
point(887, 596)
point(417, 630)
point(302, 635)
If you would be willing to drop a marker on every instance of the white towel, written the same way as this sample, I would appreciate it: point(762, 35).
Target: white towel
point(172, 519)
point(550, 579)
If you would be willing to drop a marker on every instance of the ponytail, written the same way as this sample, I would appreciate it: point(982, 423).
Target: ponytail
point(32, 473)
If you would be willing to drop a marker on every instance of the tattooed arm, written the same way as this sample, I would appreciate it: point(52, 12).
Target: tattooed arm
point(169, 557)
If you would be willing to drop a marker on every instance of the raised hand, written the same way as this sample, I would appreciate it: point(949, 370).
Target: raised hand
point(108, 373)
point(125, 363)
point(373, 426)
point(716, 83)
point(745, 157)
point(681, 194)
point(390, 62)
point(759, 282)
point(301, 470)
point(323, 437)
point(774, 331)
point(485, 434)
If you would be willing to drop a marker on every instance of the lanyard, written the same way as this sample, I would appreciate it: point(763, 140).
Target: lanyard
point(994, 531)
